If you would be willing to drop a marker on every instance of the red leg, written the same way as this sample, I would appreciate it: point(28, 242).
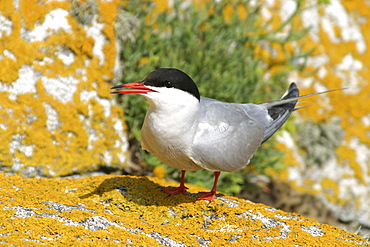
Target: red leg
point(179, 190)
point(209, 196)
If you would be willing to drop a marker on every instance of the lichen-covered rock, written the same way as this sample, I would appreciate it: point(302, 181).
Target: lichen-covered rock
point(56, 115)
point(114, 210)
point(330, 156)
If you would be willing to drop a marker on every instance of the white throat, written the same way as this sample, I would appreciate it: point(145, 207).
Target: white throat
point(171, 102)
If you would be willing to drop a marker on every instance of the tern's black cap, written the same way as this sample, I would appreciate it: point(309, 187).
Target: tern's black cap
point(169, 77)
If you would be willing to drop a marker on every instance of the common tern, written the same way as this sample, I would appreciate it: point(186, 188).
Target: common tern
point(190, 132)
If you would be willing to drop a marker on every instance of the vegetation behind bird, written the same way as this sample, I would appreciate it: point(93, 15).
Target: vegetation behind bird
point(230, 50)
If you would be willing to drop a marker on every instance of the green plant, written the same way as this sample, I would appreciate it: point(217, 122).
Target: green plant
point(362, 234)
point(222, 56)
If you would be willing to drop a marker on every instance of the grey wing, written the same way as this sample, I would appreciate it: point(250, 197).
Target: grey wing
point(227, 137)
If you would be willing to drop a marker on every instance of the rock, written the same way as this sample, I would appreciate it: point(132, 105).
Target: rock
point(329, 156)
point(56, 115)
point(114, 210)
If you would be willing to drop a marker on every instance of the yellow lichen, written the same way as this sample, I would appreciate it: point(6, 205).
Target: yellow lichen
point(228, 12)
point(330, 190)
point(63, 150)
point(349, 107)
point(159, 171)
point(142, 207)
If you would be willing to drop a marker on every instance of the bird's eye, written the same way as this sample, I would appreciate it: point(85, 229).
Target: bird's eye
point(168, 84)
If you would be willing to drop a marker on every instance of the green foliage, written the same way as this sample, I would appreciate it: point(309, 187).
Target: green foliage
point(220, 55)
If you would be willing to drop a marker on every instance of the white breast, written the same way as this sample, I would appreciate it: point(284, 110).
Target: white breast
point(169, 127)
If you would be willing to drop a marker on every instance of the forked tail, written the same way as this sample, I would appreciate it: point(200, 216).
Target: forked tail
point(280, 110)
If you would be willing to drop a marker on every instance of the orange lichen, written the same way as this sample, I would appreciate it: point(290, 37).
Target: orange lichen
point(108, 12)
point(67, 148)
point(7, 8)
point(228, 12)
point(330, 189)
point(275, 19)
point(32, 11)
point(106, 210)
point(159, 171)
point(242, 12)
point(347, 155)
point(348, 106)
point(159, 7)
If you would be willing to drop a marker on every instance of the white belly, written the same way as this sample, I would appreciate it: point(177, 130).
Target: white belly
point(172, 148)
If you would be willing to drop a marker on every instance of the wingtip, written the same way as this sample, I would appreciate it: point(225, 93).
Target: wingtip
point(293, 84)
point(292, 91)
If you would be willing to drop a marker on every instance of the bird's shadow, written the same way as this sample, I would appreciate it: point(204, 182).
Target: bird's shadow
point(142, 191)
